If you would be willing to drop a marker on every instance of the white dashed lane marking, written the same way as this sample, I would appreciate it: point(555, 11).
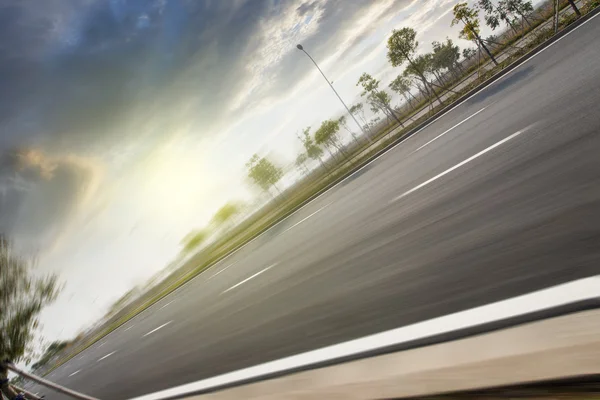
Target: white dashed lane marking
point(76, 372)
point(230, 265)
point(304, 219)
point(446, 131)
point(460, 164)
point(106, 356)
point(155, 329)
point(166, 305)
point(253, 276)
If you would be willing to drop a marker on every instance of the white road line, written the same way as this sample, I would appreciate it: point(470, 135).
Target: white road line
point(108, 355)
point(556, 296)
point(230, 265)
point(247, 279)
point(166, 305)
point(154, 330)
point(460, 164)
point(76, 372)
point(448, 130)
point(101, 344)
point(128, 328)
point(304, 219)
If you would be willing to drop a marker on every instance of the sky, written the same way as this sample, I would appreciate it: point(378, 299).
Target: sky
point(125, 124)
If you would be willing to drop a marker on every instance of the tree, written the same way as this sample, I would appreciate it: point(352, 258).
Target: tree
point(420, 63)
point(194, 239)
point(402, 46)
point(358, 109)
point(383, 101)
point(313, 151)
point(446, 56)
point(263, 172)
point(378, 99)
point(470, 31)
point(402, 86)
point(327, 135)
point(342, 121)
point(574, 7)
point(23, 295)
point(469, 53)
point(432, 67)
point(494, 14)
point(373, 123)
point(50, 352)
point(301, 160)
point(225, 213)
point(520, 7)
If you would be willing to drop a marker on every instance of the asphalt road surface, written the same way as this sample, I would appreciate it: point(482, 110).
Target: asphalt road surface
point(497, 198)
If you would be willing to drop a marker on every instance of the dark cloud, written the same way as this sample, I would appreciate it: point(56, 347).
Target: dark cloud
point(39, 195)
point(95, 72)
point(80, 74)
point(306, 8)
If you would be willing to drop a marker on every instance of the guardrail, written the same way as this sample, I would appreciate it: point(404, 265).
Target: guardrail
point(45, 382)
point(554, 314)
point(546, 335)
point(557, 348)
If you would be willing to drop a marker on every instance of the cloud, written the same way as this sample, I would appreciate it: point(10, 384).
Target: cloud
point(40, 195)
point(329, 30)
point(117, 80)
point(101, 75)
point(307, 9)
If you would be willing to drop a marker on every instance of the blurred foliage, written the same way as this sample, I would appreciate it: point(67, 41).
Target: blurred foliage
point(53, 349)
point(469, 53)
point(313, 151)
point(22, 297)
point(226, 213)
point(300, 163)
point(263, 172)
point(193, 240)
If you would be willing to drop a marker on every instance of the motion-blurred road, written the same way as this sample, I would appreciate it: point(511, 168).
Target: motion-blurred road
point(497, 198)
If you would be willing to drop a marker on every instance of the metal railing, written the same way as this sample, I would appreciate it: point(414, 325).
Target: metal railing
point(44, 382)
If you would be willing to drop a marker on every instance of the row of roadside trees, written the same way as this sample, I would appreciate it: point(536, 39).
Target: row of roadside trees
point(425, 76)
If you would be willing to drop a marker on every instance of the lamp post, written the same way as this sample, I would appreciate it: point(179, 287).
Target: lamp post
point(336, 93)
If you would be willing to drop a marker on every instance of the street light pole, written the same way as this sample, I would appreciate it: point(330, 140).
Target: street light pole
point(336, 93)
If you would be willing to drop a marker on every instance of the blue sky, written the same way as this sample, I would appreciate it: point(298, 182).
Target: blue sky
point(127, 123)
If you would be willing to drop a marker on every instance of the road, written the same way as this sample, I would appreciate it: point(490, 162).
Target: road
point(499, 197)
